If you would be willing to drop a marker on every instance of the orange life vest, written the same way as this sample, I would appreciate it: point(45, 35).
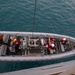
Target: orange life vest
point(15, 41)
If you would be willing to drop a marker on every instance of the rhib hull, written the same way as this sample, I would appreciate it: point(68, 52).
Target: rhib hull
point(41, 57)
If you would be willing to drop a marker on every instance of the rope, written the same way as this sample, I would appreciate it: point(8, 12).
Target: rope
point(34, 18)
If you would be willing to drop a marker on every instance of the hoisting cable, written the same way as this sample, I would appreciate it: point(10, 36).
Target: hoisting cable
point(33, 28)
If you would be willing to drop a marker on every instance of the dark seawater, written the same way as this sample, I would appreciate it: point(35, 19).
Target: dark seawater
point(14, 66)
point(52, 16)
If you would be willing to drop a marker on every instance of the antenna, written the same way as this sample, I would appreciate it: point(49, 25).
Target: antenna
point(34, 17)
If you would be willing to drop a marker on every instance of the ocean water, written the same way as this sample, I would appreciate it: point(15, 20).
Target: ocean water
point(52, 16)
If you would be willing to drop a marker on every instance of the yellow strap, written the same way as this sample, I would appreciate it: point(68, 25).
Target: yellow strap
point(54, 50)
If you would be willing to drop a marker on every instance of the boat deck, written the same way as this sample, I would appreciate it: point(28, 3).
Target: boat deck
point(33, 44)
point(33, 49)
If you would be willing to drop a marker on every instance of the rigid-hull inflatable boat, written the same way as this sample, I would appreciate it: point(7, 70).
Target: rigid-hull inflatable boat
point(32, 46)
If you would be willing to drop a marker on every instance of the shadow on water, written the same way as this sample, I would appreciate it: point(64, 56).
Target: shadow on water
point(14, 66)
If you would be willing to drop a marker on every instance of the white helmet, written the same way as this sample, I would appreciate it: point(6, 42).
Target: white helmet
point(63, 38)
point(52, 45)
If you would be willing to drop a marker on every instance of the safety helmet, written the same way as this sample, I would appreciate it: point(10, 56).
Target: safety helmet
point(52, 45)
point(52, 38)
point(64, 39)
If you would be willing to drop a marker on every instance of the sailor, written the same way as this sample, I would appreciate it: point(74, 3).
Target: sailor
point(15, 41)
point(23, 43)
point(11, 37)
point(52, 39)
point(50, 48)
point(53, 49)
point(16, 44)
point(11, 44)
point(63, 41)
point(51, 45)
point(63, 44)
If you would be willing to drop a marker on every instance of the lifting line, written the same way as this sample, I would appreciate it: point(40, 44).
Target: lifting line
point(34, 18)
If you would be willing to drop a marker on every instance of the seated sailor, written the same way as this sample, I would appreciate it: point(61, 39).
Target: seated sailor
point(63, 41)
point(52, 39)
point(23, 43)
point(63, 44)
point(11, 48)
point(16, 44)
point(51, 48)
point(50, 45)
